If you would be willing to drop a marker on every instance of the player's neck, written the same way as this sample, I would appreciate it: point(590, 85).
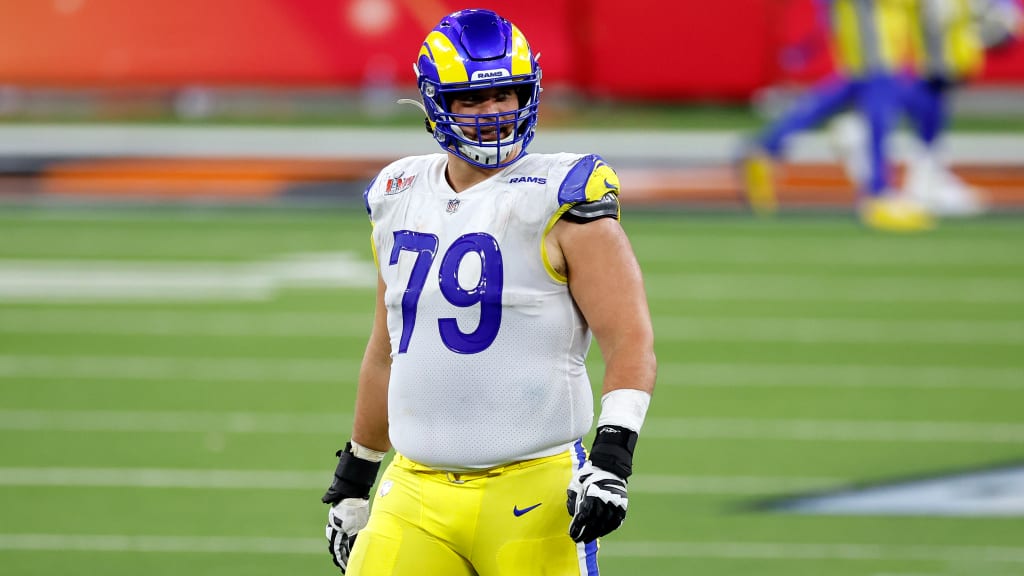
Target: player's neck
point(462, 175)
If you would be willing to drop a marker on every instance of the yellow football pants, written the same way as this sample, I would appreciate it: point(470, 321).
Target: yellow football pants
point(505, 521)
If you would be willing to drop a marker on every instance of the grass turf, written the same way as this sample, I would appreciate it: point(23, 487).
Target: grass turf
point(141, 435)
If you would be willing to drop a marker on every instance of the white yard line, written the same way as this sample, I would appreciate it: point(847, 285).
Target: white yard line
point(309, 480)
point(163, 478)
point(782, 551)
point(85, 369)
point(98, 280)
point(728, 485)
point(803, 551)
point(825, 376)
point(837, 330)
point(785, 250)
point(173, 544)
point(663, 428)
point(668, 328)
point(190, 323)
point(134, 421)
point(745, 287)
point(162, 368)
point(835, 430)
point(133, 245)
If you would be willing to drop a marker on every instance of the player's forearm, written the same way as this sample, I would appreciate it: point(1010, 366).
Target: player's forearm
point(630, 362)
point(370, 424)
point(370, 421)
point(630, 373)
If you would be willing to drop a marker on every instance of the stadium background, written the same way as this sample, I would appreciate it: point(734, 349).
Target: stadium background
point(185, 286)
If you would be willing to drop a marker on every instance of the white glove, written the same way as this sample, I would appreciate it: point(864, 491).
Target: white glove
point(597, 503)
point(344, 521)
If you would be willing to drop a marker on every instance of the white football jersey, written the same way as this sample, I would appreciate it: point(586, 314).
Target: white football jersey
point(487, 345)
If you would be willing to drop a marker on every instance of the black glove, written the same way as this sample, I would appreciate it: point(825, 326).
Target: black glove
point(597, 493)
point(349, 497)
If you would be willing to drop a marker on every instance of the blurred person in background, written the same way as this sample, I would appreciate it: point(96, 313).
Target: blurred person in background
point(949, 40)
point(869, 40)
point(495, 267)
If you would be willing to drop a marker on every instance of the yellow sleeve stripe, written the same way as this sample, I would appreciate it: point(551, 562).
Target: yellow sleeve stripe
point(373, 247)
point(544, 245)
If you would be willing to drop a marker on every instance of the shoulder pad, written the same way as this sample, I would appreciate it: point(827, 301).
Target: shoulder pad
point(588, 181)
point(606, 206)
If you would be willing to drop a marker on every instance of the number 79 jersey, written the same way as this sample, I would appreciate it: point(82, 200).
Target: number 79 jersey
point(487, 345)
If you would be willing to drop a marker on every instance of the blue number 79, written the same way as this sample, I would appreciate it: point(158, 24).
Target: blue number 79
point(486, 293)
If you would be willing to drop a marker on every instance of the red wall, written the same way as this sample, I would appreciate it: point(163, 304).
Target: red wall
point(643, 49)
point(664, 50)
point(183, 41)
point(309, 42)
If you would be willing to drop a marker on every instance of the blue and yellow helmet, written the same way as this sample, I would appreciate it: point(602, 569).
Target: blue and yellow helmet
point(469, 50)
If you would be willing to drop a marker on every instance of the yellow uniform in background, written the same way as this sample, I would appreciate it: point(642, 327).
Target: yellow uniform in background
point(945, 41)
point(933, 46)
point(871, 44)
point(933, 38)
point(871, 36)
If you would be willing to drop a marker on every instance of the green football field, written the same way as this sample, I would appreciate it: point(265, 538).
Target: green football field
point(175, 383)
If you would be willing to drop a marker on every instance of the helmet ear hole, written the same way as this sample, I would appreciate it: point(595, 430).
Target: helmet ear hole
point(523, 93)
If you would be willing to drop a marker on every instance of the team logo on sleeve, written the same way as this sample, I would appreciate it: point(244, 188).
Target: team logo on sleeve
point(398, 183)
point(602, 181)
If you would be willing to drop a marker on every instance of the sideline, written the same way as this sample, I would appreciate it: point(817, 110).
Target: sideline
point(619, 146)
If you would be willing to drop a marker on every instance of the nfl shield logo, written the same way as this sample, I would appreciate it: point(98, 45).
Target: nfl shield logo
point(453, 205)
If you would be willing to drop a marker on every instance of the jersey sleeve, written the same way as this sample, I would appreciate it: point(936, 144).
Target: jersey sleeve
point(589, 191)
point(368, 204)
point(366, 197)
point(389, 179)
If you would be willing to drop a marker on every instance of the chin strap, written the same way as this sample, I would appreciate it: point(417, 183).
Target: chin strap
point(489, 155)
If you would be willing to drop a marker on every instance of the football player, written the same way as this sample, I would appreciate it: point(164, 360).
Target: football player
point(869, 40)
point(495, 268)
point(949, 38)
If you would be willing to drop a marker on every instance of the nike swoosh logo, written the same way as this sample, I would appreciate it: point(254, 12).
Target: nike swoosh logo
point(517, 512)
point(609, 186)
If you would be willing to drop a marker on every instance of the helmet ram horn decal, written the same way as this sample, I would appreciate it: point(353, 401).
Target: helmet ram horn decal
point(470, 50)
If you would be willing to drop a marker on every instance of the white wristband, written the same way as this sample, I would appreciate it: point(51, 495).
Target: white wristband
point(626, 407)
point(364, 453)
